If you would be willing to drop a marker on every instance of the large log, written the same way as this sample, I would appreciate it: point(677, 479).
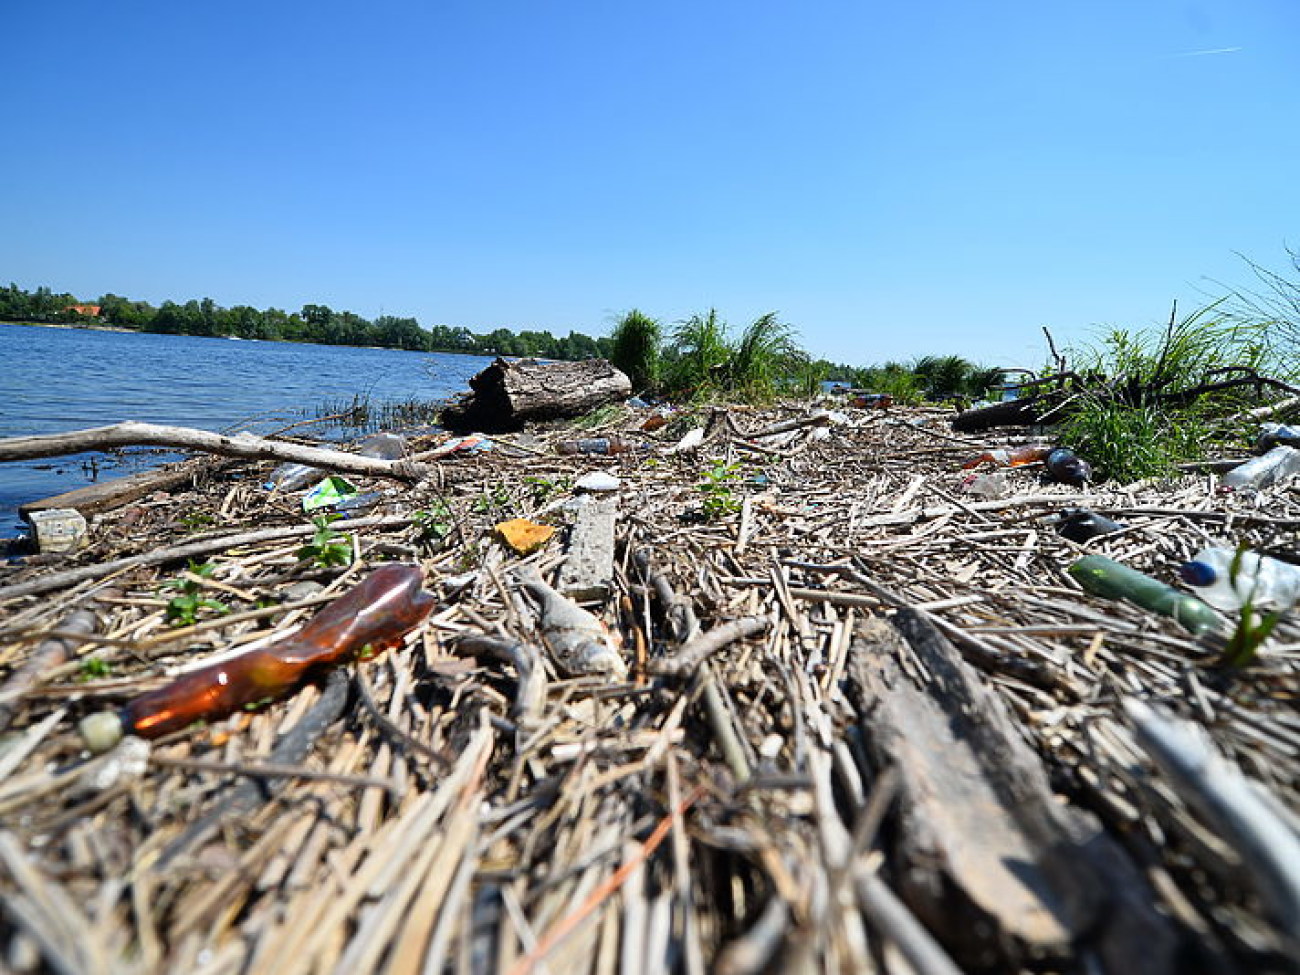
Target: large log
point(508, 394)
point(1001, 871)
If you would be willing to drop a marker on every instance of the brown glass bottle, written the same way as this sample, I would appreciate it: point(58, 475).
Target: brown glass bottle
point(375, 614)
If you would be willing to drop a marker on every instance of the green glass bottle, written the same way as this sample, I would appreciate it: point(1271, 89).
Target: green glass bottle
point(1106, 577)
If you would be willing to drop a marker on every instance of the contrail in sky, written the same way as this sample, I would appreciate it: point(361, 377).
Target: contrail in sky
point(1201, 54)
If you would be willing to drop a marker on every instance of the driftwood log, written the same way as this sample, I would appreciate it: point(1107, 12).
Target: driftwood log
point(983, 846)
point(507, 394)
point(245, 445)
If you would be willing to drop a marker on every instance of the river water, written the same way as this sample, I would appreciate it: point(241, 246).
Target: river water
point(59, 379)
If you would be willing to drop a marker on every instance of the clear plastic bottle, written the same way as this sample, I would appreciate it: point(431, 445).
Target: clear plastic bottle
point(389, 446)
point(291, 477)
point(1260, 472)
point(993, 485)
point(1267, 582)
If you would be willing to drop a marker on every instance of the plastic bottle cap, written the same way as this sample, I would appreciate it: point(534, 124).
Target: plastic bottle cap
point(1198, 573)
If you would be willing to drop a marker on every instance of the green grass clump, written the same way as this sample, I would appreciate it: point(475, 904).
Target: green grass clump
point(702, 362)
point(1128, 443)
point(1203, 347)
point(931, 377)
point(764, 359)
point(891, 378)
point(695, 361)
point(637, 339)
point(1137, 423)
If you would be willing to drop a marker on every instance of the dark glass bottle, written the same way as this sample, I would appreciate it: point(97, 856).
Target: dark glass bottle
point(375, 614)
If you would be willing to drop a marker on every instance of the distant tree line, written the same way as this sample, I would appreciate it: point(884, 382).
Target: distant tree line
point(313, 323)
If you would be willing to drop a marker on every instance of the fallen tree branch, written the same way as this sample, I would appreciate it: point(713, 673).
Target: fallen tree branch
point(245, 445)
point(1031, 410)
point(702, 647)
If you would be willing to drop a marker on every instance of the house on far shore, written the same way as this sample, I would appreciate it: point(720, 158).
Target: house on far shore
point(88, 311)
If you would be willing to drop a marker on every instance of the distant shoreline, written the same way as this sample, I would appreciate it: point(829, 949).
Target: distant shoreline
point(91, 327)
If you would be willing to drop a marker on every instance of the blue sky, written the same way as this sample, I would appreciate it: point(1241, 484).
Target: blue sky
point(893, 179)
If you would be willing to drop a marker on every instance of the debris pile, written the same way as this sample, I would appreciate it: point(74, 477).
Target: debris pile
point(772, 691)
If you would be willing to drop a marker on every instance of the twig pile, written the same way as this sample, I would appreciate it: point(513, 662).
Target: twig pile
point(869, 723)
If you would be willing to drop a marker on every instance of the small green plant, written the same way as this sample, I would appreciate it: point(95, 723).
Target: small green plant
point(197, 521)
point(1252, 628)
point(494, 499)
point(327, 547)
point(185, 607)
point(717, 487)
point(93, 668)
point(544, 488)
point(601, 416)
point(434, 523)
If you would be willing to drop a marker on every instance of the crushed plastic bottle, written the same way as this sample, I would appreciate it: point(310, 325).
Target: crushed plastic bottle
point(386, 446)
point(1010, 456)
point(376, 614)
point(1105, 577)
point(1266, 583)
point(1261, 472)
point(989, 486)
point(291, 477)
point(599, 445)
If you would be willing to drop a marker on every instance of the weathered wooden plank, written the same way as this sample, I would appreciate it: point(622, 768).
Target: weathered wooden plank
point(115, 492)
point(983, 844)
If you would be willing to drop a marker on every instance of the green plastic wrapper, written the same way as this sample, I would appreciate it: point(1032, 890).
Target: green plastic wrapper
point(328, 493)
point(1106, 577)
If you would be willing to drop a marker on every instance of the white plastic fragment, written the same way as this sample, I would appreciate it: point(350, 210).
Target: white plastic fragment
point(128, 762)
point(688, 443)
point(598, 481)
